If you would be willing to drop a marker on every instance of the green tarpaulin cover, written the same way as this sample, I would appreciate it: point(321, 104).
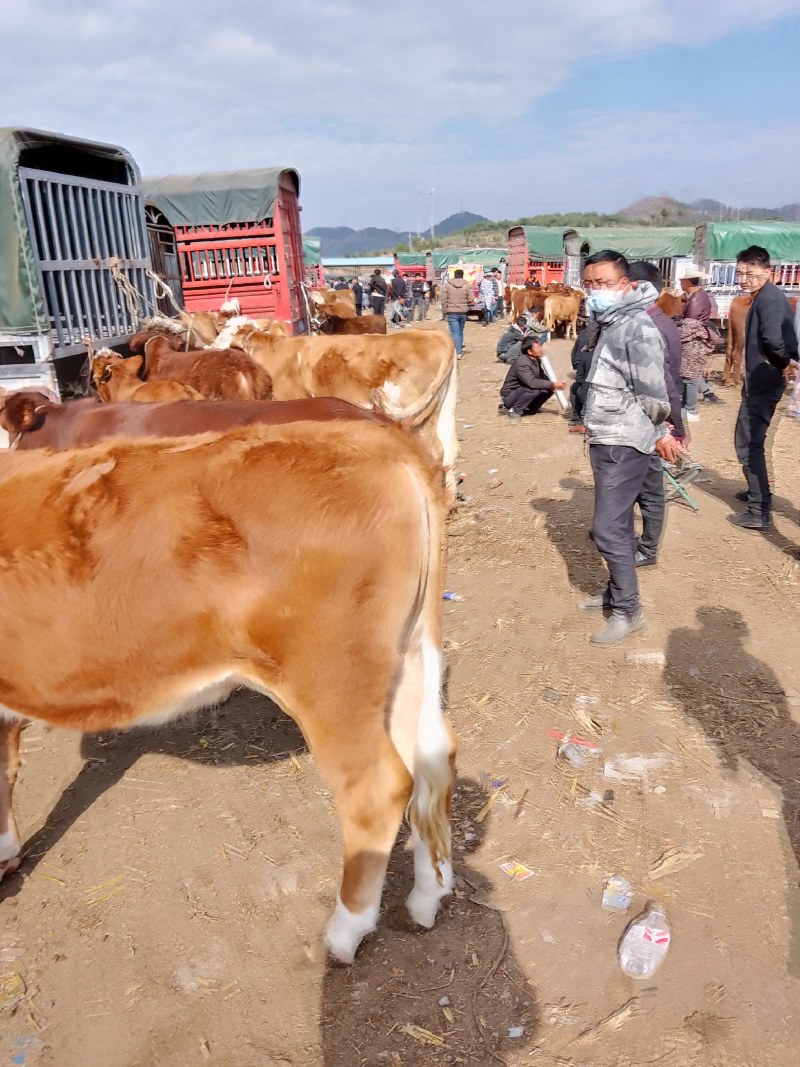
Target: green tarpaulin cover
point(446, 257)
point(639, 242)
point(217, 199)
point(544, 242)
point(22, 309)
point(312, 250)
point(724, 240)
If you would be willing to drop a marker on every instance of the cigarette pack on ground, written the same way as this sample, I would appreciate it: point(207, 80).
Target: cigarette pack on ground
point(518, 871)
point(561, 396)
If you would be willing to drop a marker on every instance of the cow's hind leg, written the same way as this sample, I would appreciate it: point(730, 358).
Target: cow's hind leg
point(9, 765)
point(371, 787)
point(427, 745)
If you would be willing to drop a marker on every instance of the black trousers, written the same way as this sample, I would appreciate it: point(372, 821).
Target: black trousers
point(619, 474)
point(652, 504)
point(752, 425)
point(527, 401)
point(378, 304)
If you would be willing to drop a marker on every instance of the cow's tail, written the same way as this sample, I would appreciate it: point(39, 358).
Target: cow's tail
point(428, 809)
point(414, 414)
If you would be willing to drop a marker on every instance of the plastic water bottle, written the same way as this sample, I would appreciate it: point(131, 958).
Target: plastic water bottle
point(645, 943)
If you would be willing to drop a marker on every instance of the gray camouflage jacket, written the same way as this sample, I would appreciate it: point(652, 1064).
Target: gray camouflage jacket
point(627, 402)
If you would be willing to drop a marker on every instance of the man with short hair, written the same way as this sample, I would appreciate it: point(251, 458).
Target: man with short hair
point(418, 302)
point(500, 306)
point(456, 302)
point(398, 285)
point(526, 387)
point(625, 415)
point(358, 294)
point(770, 358)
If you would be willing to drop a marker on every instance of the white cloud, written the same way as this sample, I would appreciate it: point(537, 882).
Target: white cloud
point(372, 103)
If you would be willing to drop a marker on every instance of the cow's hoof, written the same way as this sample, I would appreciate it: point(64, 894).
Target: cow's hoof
point(9, 866)
point(347, 930)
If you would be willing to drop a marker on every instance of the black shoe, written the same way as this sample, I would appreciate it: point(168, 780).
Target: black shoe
point(644, 561)
point(750, 521)
point(712, 398)
point(743, 495)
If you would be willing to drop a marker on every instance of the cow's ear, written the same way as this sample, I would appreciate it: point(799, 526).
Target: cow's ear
point(20, 414)
point(134, 364)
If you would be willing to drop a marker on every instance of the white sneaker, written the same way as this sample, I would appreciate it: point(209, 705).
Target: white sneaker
point(690, 416)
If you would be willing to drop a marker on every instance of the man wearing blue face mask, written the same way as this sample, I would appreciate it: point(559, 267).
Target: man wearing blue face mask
point(625, 415)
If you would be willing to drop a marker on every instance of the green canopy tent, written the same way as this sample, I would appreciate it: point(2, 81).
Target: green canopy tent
point(722, 241)
point(636, 242)
point(544, 242)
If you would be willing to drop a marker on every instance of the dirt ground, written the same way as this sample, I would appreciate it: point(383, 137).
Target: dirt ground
point(177, 883)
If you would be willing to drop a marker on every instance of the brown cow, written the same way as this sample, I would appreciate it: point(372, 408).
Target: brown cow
point(671, 304)
point(523, 300)
point(734, 342)
point(339, 302)
point(301, 561)
point(332, 324)
point(563, 308)
point(119, 380)
point(227, 374)
point(410, 375)
point(34, 420)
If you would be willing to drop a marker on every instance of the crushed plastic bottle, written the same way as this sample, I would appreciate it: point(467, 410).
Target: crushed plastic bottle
point(451, 596)
point(645, 943)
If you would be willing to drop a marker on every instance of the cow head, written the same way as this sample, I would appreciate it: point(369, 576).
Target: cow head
point(107, 365)
point(23, 411)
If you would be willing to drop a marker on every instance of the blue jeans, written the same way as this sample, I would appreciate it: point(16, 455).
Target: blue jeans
point(488, 315)
point(455, 323)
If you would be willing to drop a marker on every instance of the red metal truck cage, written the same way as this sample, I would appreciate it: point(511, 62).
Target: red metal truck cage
point(535, 253)
point(237, 236)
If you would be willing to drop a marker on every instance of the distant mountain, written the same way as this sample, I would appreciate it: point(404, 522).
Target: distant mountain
point(456, 223)
point(660, 211)
point(714, 209)
point(344, 241)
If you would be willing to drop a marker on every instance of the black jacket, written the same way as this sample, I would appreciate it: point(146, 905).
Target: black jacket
point(769, 340)
point(527, 373)
point(358, 293)
point(377, 285)
point(398, 286)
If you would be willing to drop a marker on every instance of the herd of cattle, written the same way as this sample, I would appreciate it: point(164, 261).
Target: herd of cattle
point(240, 507)
point(236, 506)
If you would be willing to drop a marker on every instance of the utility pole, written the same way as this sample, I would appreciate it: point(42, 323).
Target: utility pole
point(433, 201)
point(419, 194)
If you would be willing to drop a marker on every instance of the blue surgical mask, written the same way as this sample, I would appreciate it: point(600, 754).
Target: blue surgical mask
point(600, 300)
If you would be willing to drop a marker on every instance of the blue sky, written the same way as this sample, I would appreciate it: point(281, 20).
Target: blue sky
point(510, 109)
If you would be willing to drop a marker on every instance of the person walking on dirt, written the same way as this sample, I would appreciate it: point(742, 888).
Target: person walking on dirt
point(770, 358)
point(625, 415)
point(487, 292)
point(377, 291)
point(456, 302)
point(526, 387)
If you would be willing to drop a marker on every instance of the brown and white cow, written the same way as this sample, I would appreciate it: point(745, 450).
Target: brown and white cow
point(411, 376)
point(33, 420)
point(301, 561)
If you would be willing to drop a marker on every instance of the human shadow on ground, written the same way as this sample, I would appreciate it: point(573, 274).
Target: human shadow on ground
point(742, 709)
point(717, 485)
point(458, 983)
point(247, 729)
point(567, 523)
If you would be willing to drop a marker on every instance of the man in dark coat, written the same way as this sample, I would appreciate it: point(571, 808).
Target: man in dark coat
point(770, 358)
point(358, 293)
point(377, 291)
point(398, 285)
point(510, 343)
point(526, 387)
